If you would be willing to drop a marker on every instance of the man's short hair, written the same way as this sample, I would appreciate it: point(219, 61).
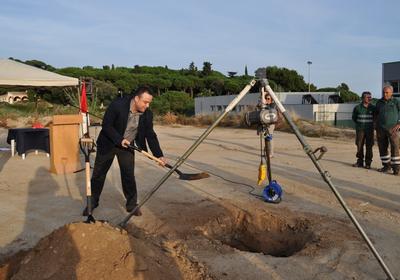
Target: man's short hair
point(365, 93)
point(142, 89)
point(387, 86)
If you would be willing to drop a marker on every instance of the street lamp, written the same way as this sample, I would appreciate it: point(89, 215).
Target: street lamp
point(309, 64)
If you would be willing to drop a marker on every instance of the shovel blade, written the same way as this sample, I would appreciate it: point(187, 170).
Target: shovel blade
point(196, 176)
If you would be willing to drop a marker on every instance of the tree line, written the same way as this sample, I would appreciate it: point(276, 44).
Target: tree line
point(110, 81)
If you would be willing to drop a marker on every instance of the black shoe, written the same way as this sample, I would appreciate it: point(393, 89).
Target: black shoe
point(367, 166)
point(129, 208)
point(396, 172)
point(357, 164)
point(384, 169)
point(85, 211)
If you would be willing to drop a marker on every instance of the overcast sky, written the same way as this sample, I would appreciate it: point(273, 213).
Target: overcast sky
point(347, 41)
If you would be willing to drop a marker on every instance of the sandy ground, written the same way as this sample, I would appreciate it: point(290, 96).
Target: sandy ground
point(213, 228)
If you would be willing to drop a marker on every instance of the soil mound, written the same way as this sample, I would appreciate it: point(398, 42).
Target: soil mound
point(91, 251)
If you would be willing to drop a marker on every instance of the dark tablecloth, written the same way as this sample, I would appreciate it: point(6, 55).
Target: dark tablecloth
point(29, 139)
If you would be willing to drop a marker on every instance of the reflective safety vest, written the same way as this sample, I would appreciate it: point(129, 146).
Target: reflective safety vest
point(364, 116)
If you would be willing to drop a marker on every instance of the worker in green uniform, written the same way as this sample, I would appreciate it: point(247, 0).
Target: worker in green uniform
point(388, 130)
point(363, 115)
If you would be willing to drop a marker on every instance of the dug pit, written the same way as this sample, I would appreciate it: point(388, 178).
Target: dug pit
point(265, 233)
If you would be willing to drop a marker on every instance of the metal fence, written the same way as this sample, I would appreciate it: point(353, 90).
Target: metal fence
point(338, 119)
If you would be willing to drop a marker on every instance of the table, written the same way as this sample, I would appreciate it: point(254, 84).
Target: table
point(24, 139)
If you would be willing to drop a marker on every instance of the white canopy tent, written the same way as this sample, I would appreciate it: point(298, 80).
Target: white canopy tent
point(13, 73)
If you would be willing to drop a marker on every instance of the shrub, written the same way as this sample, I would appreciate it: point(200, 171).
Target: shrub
point(176, 102)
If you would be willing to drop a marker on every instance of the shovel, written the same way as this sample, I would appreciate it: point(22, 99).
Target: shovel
point(86, 145)
point(182, 176)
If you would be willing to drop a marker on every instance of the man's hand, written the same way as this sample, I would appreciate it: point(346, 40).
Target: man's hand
point(395, 128)
point(163, 160)
point(125, 143)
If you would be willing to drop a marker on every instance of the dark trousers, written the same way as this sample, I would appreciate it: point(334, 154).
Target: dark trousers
point(364, 137)
point(102, 164)
point(384, 139)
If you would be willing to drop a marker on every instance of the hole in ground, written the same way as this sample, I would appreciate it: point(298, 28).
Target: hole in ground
point(273, 235)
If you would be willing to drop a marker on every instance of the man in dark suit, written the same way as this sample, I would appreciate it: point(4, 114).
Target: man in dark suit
point(126, 120)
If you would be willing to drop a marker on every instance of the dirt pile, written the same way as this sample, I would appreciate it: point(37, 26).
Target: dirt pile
point(91, 251)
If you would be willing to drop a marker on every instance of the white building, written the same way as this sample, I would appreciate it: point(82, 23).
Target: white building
point(14, 96)
point(314, 106)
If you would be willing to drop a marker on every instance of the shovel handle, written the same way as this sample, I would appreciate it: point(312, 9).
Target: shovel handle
point(150, 156)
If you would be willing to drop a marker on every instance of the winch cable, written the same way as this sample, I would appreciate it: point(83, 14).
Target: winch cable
point(267, 153)
point(262, 169)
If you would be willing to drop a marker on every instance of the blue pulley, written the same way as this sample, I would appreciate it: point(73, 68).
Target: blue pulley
point(273, 192)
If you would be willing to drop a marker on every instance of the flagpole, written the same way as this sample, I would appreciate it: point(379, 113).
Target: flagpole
point(79, 102)
point(87, 123)
point(84, 109)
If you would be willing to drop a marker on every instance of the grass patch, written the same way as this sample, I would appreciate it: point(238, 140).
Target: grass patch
point(231, 120)
point(33, 111)
point(37, 111)
point(307, 128)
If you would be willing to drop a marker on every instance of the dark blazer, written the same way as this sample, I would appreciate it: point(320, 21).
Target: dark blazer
point(114, 125)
